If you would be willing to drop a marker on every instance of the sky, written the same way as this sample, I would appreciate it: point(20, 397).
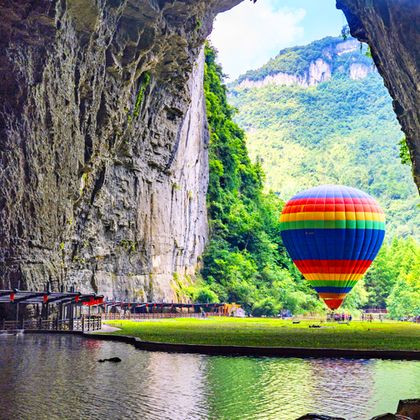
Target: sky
point(248, 35)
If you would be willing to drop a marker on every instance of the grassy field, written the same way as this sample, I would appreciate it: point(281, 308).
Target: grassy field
point(276, 333)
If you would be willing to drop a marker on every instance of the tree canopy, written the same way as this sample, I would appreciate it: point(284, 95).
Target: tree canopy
point(245, 260)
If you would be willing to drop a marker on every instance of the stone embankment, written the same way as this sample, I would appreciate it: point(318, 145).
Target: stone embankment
point(407, 410)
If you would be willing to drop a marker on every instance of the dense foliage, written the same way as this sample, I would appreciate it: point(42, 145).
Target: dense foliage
point(342, 131)
point(404, 152)
point(245, 261)
point(394, 278)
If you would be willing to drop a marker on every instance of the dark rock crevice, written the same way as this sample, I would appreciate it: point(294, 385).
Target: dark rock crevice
point(84, 195)
point(392, 30)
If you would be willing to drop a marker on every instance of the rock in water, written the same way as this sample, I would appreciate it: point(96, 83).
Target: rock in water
point(313, 416)
point(386, 416)
point(409, 408)
point(111, 359)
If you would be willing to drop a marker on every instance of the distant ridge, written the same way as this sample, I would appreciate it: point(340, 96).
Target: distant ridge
point(311, 64)
point(320, 114)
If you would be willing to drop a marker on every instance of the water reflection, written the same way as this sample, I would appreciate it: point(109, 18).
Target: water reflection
point(256, 387)
point(349, 381)
point(286, 388)
point(59, 377)
point(391, 379)
point(178, 381)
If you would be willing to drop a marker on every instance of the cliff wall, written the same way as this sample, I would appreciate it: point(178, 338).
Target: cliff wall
point(391, 28)
point(103, 161)
point(334, 56)
point(103, 151)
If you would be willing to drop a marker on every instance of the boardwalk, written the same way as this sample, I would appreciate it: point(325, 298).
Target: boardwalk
point(49, 311)
point(74, 311)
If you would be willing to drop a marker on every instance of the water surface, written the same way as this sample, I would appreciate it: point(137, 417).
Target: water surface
point(52, 377)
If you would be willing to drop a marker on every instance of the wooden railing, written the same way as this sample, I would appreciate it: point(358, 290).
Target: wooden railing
point(92, 323)
point(154, 315)
point(85, 324)
point(10, 325)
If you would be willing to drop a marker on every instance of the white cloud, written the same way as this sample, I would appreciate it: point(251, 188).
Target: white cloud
point(249, 34)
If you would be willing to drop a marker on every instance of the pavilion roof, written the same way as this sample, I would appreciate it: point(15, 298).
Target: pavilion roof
point(33, 297)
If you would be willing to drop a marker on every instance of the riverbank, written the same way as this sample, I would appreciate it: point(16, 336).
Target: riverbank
point(262, 332)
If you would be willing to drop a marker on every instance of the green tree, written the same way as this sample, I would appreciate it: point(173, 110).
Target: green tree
point(245, 260)
point(395, 263)
point(205, 295)
point(266, 306)
point(404, 152)
point(404, 299)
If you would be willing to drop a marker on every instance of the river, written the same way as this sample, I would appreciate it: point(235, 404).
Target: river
point(58, 377)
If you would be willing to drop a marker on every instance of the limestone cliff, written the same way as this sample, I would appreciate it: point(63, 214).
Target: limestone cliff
point(103, 151)
point(311, 64)
point(391, 28)
point(103, 162)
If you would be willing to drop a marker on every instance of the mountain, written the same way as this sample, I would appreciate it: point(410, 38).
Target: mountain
point(320, 114)
point(311, 64)
point(245, 260)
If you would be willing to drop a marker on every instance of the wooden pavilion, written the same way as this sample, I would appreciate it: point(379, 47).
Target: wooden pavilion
point(46, 310)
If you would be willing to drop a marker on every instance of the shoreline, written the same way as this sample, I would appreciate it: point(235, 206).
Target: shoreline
point(256, 351)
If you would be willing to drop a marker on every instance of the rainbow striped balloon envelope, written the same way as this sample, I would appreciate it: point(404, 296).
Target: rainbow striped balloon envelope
point(332, 233)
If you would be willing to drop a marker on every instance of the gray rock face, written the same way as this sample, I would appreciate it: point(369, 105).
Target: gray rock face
point(103, 161)
point(391, 28)
point(103, 144)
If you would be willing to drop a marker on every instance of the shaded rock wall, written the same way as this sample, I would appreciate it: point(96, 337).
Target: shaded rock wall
point(391, 28)
point(103, 162)
point(103, 143)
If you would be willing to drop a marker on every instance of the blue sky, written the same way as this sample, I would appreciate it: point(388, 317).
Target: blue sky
point(249, 34)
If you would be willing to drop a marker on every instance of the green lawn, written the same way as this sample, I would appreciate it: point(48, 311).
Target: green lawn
point(272, 332)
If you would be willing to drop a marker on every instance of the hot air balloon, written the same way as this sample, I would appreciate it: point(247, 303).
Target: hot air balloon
point(332, 233)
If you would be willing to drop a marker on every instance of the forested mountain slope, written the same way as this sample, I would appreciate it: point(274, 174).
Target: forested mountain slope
point(338, 130)
point(320, 114)
point(245, 261)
